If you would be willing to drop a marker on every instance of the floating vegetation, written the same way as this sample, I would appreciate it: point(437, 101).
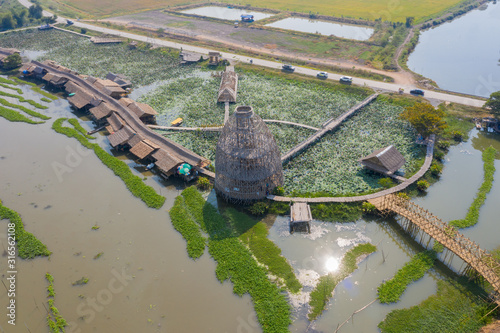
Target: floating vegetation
point(188, 228)
point(236, 263)
point(7, 81)
point(22, 99)
point(55, 321)
point(97, 256)
point(28, 246)
point(46, 100)
point(15, 116)
point(254, 235)
point(81, 282)
point(95, 227)
point(134, 183)
point(489, 170)
point(390, 291)
point(453, 309)
point(18, 90)
point(79, 128)
point(24, 109)
point(327, 283)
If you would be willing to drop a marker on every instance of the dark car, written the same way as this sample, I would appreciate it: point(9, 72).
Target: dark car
point(288, 68)
point(417, 92)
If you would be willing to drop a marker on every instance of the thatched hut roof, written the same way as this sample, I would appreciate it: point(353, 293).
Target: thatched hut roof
point(140, 109)
point(385, 160)
point(55, 79)
point(142, 150)
point(116, 122)
point(121, 137)
point(247, 158)
point(119, 79)
point(228, 86)
point(102, 110)
point(81, 97)
point(166, 162)
point(55, 65)
point(136, 139)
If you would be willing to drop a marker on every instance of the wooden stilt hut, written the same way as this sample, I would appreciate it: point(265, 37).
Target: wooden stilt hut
point(385, 160)
point(247, 158)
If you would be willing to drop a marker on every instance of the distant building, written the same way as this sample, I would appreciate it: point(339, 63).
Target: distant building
point(247, 18)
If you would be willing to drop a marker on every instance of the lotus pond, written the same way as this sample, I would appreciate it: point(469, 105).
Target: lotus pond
point(190, 92)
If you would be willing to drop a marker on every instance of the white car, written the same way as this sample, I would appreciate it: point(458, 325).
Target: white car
point(322, 75)
point(346, 79)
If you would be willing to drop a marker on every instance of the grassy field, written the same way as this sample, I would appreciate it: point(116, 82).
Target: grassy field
point(395, 11)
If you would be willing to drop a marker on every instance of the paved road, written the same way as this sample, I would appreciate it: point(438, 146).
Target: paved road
point(377, 85)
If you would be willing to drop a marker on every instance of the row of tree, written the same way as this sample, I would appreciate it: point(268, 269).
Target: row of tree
point(19, 17)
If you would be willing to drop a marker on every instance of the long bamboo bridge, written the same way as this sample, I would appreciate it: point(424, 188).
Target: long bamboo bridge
point(469, 251)
point(328, 126)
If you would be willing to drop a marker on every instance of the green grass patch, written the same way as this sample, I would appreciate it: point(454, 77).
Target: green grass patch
point(189, 229)
point(15, 116)
point(55, 321)
point(489, 170)
point(22, 99)
point(390, 291)
point(453, 309)
point(81, 282)
point(18, 90)
point(46, 100)
point(134, 183)
point(79, 128)
point(18, 80)
point(235, 263)
point(254, 234)
point(344, 212)
point(44, 93)
point(24, 109)
point(28, 246)
point(327, 283)
point(7, 81)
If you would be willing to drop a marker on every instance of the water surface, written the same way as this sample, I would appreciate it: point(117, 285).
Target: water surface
point(462, 55)
point(226, 13)
point(324, 28)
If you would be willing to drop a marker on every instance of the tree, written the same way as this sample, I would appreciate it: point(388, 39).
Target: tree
point(494, 103)
point(425, 118)
point(36, 11)
point(8, 22)
point(12, 61)
point(409, 21)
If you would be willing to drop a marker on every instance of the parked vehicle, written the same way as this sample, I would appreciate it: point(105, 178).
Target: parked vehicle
point(346, 79)
point(288, 68)
point(417, 92)
point(69, 22)
point(322, 75)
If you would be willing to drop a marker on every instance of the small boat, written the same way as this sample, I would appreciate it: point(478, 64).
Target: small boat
point(176, 122)
point(150, 166)
point(72, 94)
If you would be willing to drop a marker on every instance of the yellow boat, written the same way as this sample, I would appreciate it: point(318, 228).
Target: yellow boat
point(176, 122)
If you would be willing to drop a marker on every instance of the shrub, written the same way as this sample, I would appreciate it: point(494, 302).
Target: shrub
point(386, 182)
point(83, 31)
point(259, 208)
point(279, 190)
point(443, 144)
point(368, 208)
point(457, 136)
point(422, 185)
point(436, 169)
point(403, 195)
point(203, 183)
point(438, 155)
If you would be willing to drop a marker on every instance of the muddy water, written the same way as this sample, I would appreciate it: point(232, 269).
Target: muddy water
point(143, 282)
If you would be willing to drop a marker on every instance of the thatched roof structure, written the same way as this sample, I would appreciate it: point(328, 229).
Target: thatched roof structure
point(109, 88)
point(55, 65)
point(55, 79)
point(385, 160)
point(143, 111)
point(119, 79)
point(121, 137)
point(166, 162)
point(228, 89)
point(142, 150)
point(102, 110)
point(247, 158)
point(136, 139)
point(81, 97)
point(190, 57)
point(116, 122)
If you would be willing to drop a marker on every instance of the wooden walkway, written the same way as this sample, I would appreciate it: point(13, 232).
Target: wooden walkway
point(133, 121)
point(291, 124)
point(470, 252)
point(397, 188)
point(226, 111)
point(328, 126)
point(185, 129)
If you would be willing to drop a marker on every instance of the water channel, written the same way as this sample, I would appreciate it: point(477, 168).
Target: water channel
point(226, 13)
point(462, 55)
point(324, 28)
point(164, 290)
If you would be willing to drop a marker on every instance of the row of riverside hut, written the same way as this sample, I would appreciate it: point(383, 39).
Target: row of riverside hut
point(106, 103)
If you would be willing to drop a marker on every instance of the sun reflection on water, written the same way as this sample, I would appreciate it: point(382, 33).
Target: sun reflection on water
point(332, 264)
